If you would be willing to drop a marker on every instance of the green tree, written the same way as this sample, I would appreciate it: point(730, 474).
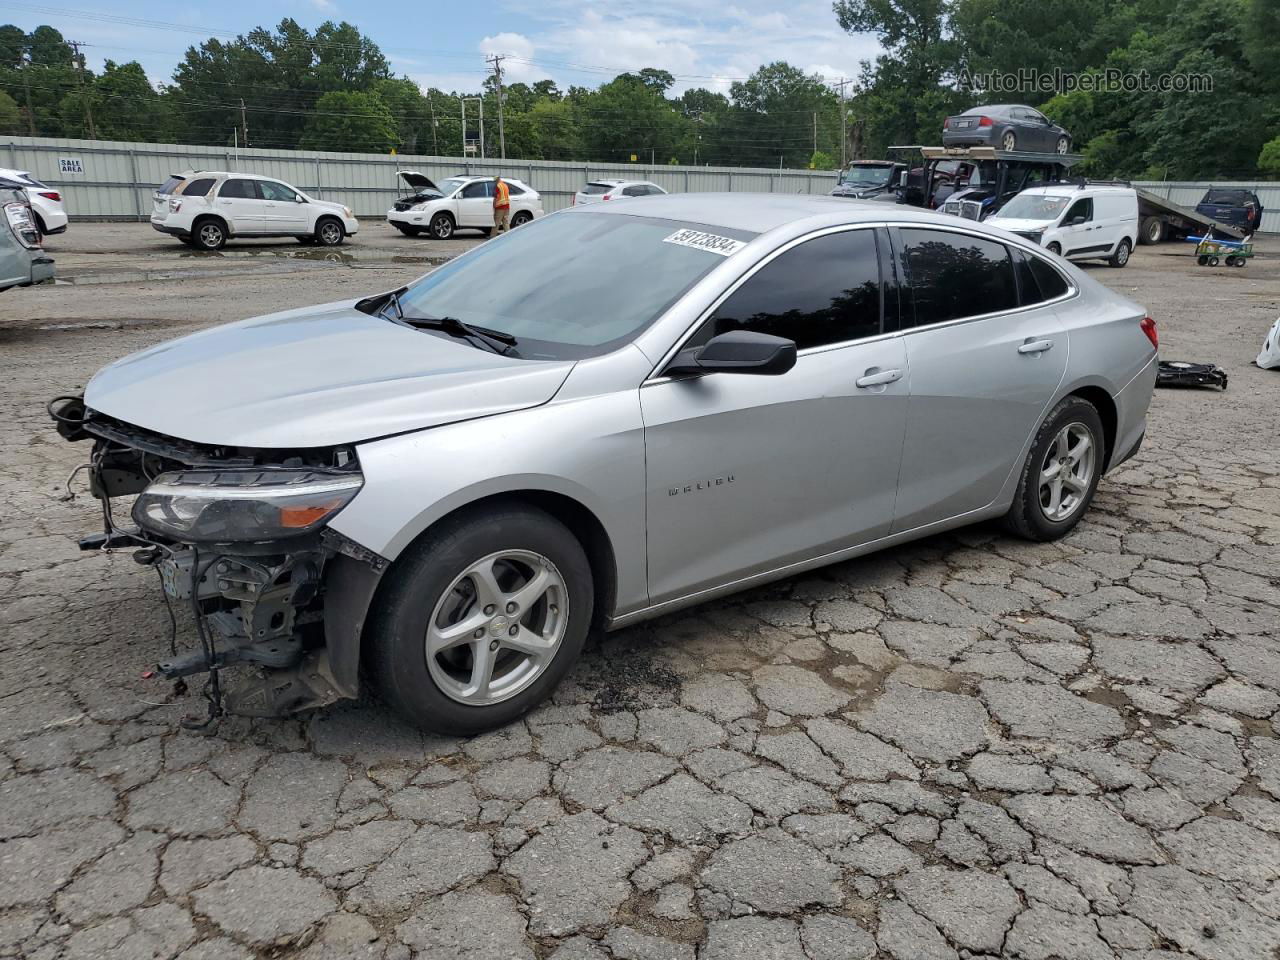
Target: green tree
point(627, 116)
point(1269, 158)
point(775, 112)
point(10, 115)
point(350, 121)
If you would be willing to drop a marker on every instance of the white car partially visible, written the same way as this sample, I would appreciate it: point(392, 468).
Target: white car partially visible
point(46, 202)
point(597, 191)
point(458, 203)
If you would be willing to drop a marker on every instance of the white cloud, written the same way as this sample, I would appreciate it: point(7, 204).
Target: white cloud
point(521, 50)
point(324, 6)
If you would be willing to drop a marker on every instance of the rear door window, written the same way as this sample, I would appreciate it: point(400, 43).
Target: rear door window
point(955, 275)
point(823, 291)
point(239, 189)
point(198, 188)
point(1037, 281)
point(635, 191)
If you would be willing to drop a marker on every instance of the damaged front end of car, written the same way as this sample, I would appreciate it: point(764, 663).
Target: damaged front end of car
point(240, 536)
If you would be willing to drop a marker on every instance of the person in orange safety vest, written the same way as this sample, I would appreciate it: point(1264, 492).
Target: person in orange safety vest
point(501, 206)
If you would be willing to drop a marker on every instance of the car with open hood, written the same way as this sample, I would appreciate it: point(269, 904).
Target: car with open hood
point(462, 202)
point(615, 412)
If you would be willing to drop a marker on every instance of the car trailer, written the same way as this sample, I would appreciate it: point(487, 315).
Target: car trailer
point(1161, 219)
point(1003, 174)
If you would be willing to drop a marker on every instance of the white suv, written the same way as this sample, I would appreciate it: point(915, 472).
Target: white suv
point(46, 203)
point(598, 190)
point(457, 203)
point(205, 209)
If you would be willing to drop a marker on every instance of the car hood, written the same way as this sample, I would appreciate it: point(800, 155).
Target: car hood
point(1014, 225)
point(419, 181)
point(314, 377)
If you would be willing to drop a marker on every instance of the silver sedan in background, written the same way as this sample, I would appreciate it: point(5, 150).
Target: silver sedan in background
point(1006, 126)
point(615, 412)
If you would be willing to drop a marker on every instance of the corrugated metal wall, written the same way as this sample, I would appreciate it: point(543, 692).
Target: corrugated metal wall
point(119, 178)
point(1188, 194)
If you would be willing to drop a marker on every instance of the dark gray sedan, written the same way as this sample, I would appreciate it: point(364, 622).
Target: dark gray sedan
point(1005, 127)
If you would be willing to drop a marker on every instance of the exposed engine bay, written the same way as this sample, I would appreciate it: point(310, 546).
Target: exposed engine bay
point(238, 537)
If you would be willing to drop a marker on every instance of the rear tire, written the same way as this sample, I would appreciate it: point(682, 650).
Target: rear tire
point(1121, 256)
point(432, 590)
point(521, 218)
point(1063, 146)
point(1151, 231)
point(1009, 141)
point(1035, 513)
point(209, 234)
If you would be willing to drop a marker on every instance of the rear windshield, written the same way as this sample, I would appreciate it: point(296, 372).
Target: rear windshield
point(1230, 198)
point(573, 285)
point(594, 188)
point(170, 185)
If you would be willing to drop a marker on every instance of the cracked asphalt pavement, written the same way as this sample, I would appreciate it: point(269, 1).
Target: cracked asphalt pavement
point(967, 747)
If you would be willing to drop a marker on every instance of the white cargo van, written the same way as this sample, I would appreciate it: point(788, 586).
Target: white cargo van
point(1079, 222)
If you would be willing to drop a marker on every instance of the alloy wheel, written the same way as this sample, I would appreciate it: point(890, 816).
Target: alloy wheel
point(210, 236)
point(497, 627)
point(1010, 141)
point(330, 233)
point(1067, 472)
point(1063, 145)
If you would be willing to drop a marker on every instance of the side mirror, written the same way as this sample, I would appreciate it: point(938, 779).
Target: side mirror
point(299, 198)
point(738, 351)
point(1075, 221)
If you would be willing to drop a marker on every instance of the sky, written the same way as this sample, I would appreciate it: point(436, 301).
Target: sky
point(444, 44)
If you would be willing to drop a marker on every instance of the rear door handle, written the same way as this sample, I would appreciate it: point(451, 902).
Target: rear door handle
point(1036, 346)
point(878, 378)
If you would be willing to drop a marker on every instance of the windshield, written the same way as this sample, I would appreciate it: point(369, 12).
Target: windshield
point(447, 186)
point(569, 285)
point(867, 176)
point(1034, 206)
point(1228, 198)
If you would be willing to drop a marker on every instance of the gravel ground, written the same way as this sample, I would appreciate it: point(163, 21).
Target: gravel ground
point(966, 747)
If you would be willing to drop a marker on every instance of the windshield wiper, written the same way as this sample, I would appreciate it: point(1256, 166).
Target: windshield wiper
point(495, 340)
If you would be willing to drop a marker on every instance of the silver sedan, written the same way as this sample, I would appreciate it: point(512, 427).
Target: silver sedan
point(613, 413)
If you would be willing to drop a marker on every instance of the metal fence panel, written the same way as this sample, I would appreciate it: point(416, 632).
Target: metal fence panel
point(119, 178)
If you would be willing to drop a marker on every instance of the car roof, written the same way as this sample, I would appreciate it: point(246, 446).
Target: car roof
point(1074, 189)
point(762, 212)
point(997, 108)
point(614, 183)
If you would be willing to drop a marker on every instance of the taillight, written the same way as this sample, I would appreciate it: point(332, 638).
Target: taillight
point(1149, 328)
point(23, 227)
point(51, 195)
point(608, 196)
point(175, 204)
point(946, 124)
point(984, 121)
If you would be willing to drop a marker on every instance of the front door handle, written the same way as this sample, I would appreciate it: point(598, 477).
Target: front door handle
point(1036, 346)
point(877, 378)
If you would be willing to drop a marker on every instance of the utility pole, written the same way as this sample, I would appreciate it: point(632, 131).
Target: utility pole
point(75, 45)
point(815, 131)
point(26, 86)
point(496, 60)
point(244, 124)
point(844, 137)
point(435, 144)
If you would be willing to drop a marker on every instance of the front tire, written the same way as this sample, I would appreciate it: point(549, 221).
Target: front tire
point(1061, 472)
point(329, 232)
point(1121, 256)
point(480, 620)
point(442, 226)
point(1055, 249)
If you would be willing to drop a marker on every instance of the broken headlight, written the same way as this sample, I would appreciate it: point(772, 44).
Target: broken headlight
point(226, 506)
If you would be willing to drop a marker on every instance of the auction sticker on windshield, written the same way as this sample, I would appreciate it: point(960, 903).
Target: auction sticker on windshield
point(725, 246)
